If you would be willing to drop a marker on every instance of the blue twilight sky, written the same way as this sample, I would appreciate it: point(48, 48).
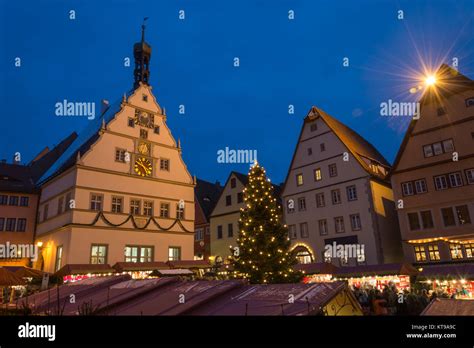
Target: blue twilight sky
point(282, 62)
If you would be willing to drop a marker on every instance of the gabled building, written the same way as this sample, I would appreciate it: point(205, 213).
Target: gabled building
point(19, 200)
point(337, 191)
point(433, 174)
point(226, 213)
point(121, 191)
point(206, 196)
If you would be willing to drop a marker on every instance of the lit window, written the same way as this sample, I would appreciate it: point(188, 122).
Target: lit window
point(174, 253)
point(420, 253)
point(139, 254)
point(433, 252)
point(469, 250)
point(456, 251)
point(98, 254)
point(59, 258)
point(299, 179)
point(317, 174)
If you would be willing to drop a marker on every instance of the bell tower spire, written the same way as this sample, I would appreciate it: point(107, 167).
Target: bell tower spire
point(142, 55)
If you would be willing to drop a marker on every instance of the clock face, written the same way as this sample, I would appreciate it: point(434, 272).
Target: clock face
point(143, 167)
point(144, 119)
point(144, 148)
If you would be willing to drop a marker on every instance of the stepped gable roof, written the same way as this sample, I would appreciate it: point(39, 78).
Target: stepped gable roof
point(207, 194)
point(365, 153)
point(83, 141)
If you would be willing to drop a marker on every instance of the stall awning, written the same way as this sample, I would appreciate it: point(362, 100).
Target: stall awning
point(189, 264)
point(139, 266)
point(84, 269)
point(465, 271)
point(373, 270)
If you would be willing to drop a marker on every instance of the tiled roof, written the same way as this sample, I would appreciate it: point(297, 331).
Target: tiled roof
point(83, 142)
point(16, 178)
point(447, 306)
point(207, 194)
point(362, 150)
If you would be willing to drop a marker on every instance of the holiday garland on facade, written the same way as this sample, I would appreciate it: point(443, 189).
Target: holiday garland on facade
point(262, 254)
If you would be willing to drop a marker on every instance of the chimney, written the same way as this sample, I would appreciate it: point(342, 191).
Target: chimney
point(104, 106)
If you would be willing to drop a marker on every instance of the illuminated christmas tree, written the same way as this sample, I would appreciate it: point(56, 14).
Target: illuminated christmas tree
point(262, 253)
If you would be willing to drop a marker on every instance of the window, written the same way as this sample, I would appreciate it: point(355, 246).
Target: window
point(2, 224)
point(45, 212)
point(304, 230)
point(303, 257)
point(180, 211)
point(332, 170)
point(428, 151)
point(144, 97)
point(199, 235)
point(148, 208)
point(317, 174)
point(351, 193)
point(310, 151)
point(470, 176)
point(60, 205)
point(462, 213)
point(441, 111)
point(407, 188)
point(174, 253)
point(219, 232)
point(13, 200)
point(448, 217)
point(336, 196)
point(156, 130)
point(230, 230)
point(143, 134)
point(68, 201)
point(455, 179)
point(240, 197)
point(228, 200)
point(299, 179)
point(413, 221)
point(3, 199)
point(420, 186)
point(440, 182)
point(437, 149)
point(117, 204)
point(11, 223)
point(165, 164)
point(24, 201)
point(426, 219)
point(98, 254)
point(339, 223)
point(322, 147)
point(448, 145)
point(131, 122)
point(135, 206)
point(313, 127)
point(469, 102)
point(455, 251)
point(355, 222)
point(301, 204)
point(292, 231)
point(323, 227)
point(468, 249)
point(320, 200)
point(138, 253)
point(433, 252)
point(420, 253)
point(164, 210)
point(120, 155)
point(96, 201)
point(233, 183)
point(59, 258)
point(21, 225)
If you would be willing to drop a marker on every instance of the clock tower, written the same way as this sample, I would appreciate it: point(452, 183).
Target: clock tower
point(142, 55)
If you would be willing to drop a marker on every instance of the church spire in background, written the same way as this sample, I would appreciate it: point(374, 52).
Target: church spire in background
point(142, 55)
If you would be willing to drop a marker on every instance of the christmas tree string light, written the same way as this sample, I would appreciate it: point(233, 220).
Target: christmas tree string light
point(264, 255)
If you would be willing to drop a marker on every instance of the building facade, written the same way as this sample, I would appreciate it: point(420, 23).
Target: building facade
point(433, 174)
point(206, 196)
point(121, 191)
point(337, 191)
